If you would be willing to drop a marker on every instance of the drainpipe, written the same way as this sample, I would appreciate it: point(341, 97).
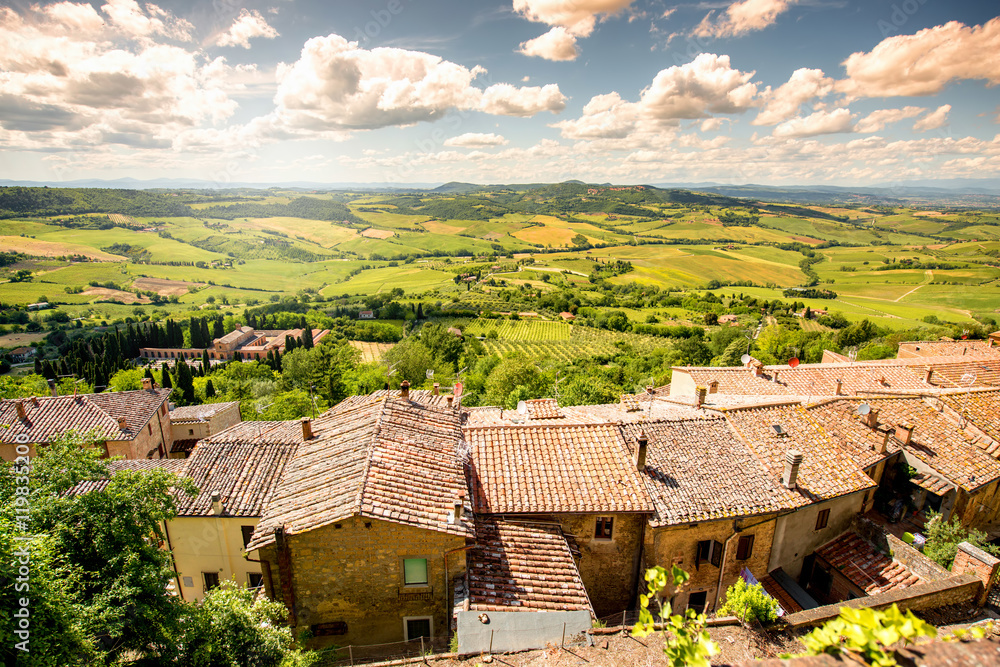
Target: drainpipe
point(266, 567)
point(447, 593)
point(722, 565)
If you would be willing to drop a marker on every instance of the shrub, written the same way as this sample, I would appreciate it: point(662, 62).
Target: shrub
point(943, 538)
point(750, 604)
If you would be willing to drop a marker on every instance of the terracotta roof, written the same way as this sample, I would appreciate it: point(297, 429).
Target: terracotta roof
point(493, 416)
point(826, 470)
point(945, 348)
point(865, 566)
point(775, 590)
point(523, 567)
point(243, 474)
point(847, 429)
point(279, 433)
point(175, 466)
point(699, 470)
point(649, 409)
point(183, 446)
point(982, 409)
point(378, 456)
point(199, 413)
point(562, 468)
point(542, 408)
point(50, 416)
point(932, 483)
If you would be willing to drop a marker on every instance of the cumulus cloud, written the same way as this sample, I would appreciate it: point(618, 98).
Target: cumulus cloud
point(781, 104)
point(337, 86)
point(925, 62)
point(557, 44)
point(129, 18)
point(933, 120)
point(576, 16)
point(821, 122)
point(742, 17)
point(248, 25)
point(877, 120)
point(476, 140)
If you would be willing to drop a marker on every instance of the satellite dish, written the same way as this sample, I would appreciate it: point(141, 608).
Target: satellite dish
point(429, 373)
point(794, 362)
point(864, 409)
point(522, 407)
point(746, 358)
point(458, 389)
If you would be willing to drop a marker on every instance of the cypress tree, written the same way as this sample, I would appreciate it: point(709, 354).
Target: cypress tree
point(149, 374)
point(289, 344)
point(38, 366)
point(48, 371)
point(209, 390)
point(185, 382)
point(307, 337)
point(420, 310)
point(205, 363)
point(206, 337)
point(218, 331)
point(165, 377)
point(195, 329)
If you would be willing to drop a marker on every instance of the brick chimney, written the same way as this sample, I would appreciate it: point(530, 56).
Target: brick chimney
point(147, 384)
point(840, 386)
point(793, 460)
point(650, 389)
point(404, 389)
point(884, 447)
point(713, 387)
point(459, 507)
point(21, 414)
point(121, 423)
point(217, 503)
point(641, 448)
point(437, 389)
point(53, 389)
point(928, 374)
point(699, 396)
point(904, 432)
point(451, 401)
point(307, 430)
point(871, 419)
point(774, 377)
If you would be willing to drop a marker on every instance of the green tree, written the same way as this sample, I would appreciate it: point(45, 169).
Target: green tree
point(943, 538)
point(128, 379)
point(515, 378)
point(185, 383)
point(750, 604)
point(209, 389)
point(165, 380)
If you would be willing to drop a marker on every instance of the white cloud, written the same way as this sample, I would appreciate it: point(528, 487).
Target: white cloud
point(712, 124)
point(821, 122)
point(933, 120)
point(476, 140)
point(877, 120)
point(248, 25)
point(803, 85)
point(924, 63)
point(576, 16)
point(557, 44)
point(129, 18)
point(604, 117)
point(742, 17)
point(337, 86)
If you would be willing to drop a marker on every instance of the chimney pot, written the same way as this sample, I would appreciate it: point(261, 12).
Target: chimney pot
point(459, 508)
point(713, 387)
point(147, 384)
point(871, 419)
point(904, 432)
point(404, 389)
point(928, 374)
point(437, 388)
point(307, 431)
point(121, 423)
point(774, 377)
point(884, 447)
point(840, 386)
point(699, 396)
point(451, 401)
point(793, 460)
point(216, 503)
point(641, 449)
point(21, 414)
point(649, 389)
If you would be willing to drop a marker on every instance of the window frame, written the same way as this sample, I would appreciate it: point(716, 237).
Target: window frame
point(744, 546)
point(205, 578)
point(708, 551)
point(427, 577)
point(406, 627)
point(822, 519)
point(247, 534)
point(602, 525)
point(260, 579)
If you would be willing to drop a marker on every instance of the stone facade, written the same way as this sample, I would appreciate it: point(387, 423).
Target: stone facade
point(347, 582)
point(152, 442)
point(678, 545)
point(975, 561)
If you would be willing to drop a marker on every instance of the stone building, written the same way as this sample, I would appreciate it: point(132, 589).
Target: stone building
point(129, 424)
point(191, 423)
point(247, 342)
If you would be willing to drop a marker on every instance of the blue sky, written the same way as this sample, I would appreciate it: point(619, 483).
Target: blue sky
point(846, 92)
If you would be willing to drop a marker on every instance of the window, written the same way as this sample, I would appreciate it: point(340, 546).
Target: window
point(709, 551)
point(417, 627)
point(698, 600)
point(190, 431)
point(604, 528)
point(211, 580)
point(744, 548)
point(822, 518)
point(149, 427)
point(255, 579)
point(247, 534)
point(415, 572)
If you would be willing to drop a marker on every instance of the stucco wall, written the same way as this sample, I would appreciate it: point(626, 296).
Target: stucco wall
point(520, 630)
point(209, 544)
point(681, 384)
point(795, 534)
point(678, 545)
point(354, 575)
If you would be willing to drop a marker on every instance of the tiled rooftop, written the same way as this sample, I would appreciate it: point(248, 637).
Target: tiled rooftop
point(775, 590)
point(541, 408)
point(523, 567)
point(50, 416)
point(865, 566)
point(946, 348)
point(647, 408)
point(379, 456)
point(982, 409)
point(840, 419)
point(199, 412)
point(175, 466)
point(699, 470)
point(281, 433)
point(826, 470)
point(932, 483)
point(561, 468)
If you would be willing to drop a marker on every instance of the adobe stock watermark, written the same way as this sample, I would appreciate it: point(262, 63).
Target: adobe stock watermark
point(381, 19)
point(899, 16)
point(22, 552)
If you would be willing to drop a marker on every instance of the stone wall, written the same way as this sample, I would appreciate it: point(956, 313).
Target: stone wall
point(678, 545)
point(975, 561)
point(347, 580)
point(889, 544)
point(956, 589)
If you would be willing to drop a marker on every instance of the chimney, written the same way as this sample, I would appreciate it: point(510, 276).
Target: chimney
point(52, 388)
point(884, 447)
point(121, 423)
point(437, 388)
point(758, 368)
point(307, 429)
point(404, 389)
point(147, 384)
point(840, 386)
point(699, 396)
point(793, 460)
point(34, 401)
point(928, 374)
point(713, 387)
point(641, 447)
point(904, 432)
point(216, 503)
point(649, 389)
point(774, 377)
point(871, 419)
point(459, 507)
point(451, 401)
point(21, 414)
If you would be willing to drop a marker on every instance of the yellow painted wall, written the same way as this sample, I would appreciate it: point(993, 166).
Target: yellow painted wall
point(209, 544)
